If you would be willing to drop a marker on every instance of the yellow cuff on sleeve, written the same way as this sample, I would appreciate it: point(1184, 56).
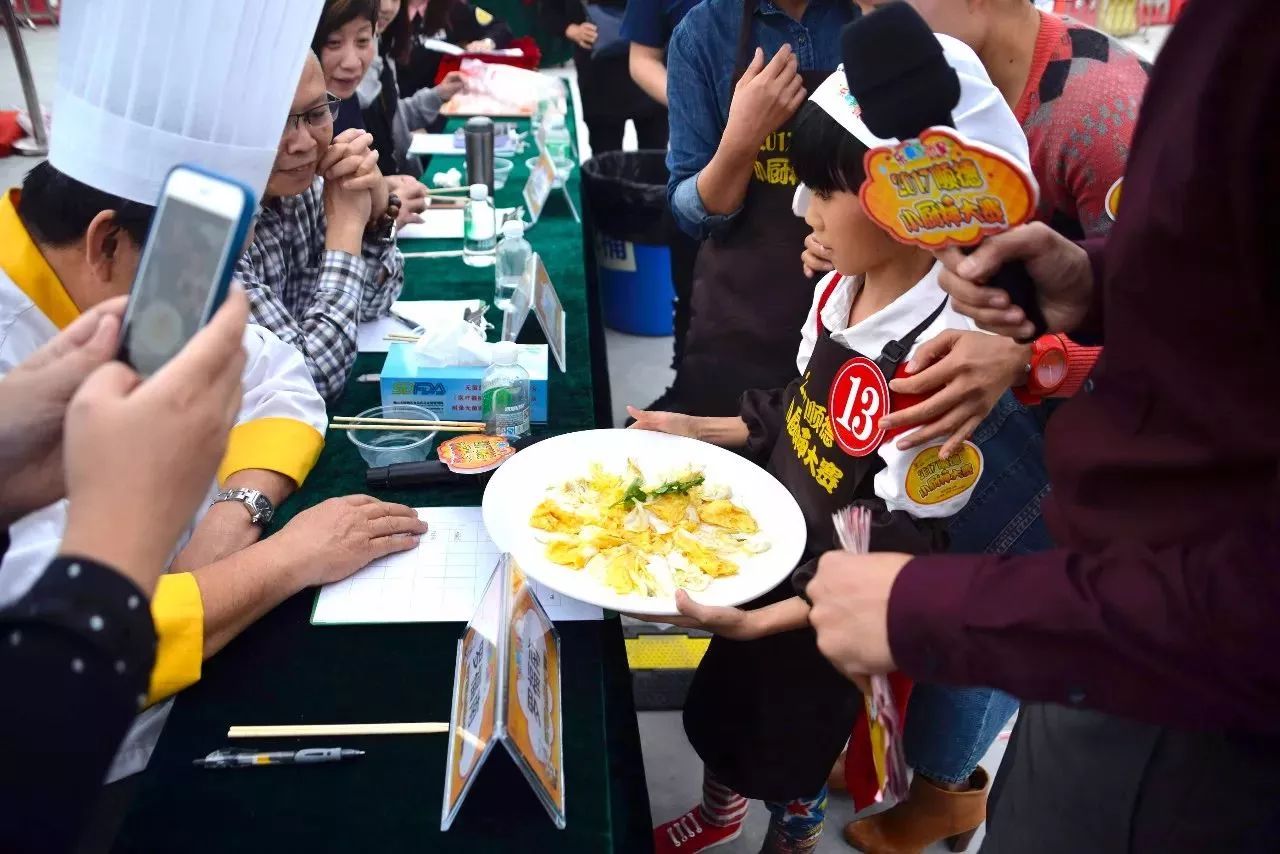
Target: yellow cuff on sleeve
point(178, 613)
point(276, 444)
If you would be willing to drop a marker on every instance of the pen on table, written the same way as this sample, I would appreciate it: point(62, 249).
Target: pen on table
point(239, 758)
point(405, 322)
point(369, 378)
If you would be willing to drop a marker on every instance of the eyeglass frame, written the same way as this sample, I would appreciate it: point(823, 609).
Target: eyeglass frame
point(293, 121)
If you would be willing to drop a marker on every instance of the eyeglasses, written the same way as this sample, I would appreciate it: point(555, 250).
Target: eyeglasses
point(316, 117)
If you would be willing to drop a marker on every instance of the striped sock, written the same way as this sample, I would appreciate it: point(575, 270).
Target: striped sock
point(721, 805)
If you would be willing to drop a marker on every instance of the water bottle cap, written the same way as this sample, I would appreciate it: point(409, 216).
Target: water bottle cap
point(479, 192)
point(513, 228)
point(505, 353)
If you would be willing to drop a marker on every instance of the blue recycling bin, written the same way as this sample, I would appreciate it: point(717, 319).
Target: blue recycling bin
point(636, 293)
point(627, 192)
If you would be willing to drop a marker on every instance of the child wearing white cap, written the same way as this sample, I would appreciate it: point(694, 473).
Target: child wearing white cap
point(766, 712)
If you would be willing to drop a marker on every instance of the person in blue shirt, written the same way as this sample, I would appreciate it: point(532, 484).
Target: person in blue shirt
point(648, 25)
point(738, 71)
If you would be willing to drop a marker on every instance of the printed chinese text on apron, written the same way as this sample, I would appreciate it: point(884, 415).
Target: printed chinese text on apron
point(769, 717)
point(750, 294)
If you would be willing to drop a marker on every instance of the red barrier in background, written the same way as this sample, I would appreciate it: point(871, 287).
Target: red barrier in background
point(531, 59)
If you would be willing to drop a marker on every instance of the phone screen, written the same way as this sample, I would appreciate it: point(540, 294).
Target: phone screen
point(178, 277)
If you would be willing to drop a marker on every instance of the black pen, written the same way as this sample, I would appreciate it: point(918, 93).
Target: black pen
point(406, 322)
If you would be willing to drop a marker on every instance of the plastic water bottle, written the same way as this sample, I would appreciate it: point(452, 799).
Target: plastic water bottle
point(511, 275)
point(558, 139)
point(505, 394)
point(479, 229)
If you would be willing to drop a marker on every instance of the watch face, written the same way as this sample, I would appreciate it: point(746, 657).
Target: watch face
point(1051, 369)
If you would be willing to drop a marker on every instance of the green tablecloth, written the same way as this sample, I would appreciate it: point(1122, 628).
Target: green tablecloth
point(283, 670)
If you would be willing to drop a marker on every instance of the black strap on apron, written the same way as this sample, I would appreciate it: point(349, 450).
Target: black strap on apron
point(895, 351)
point(890, 358)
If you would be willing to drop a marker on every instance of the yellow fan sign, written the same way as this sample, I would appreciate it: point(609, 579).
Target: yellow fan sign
point(942, 190)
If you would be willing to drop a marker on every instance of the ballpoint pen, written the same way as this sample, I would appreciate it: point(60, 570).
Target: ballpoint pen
point(240, 758)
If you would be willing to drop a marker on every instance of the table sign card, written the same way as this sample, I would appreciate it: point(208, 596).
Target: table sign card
point(549, 311)
point(538, 188)
point(506, 689)
point(521, 301)
point(477, 684)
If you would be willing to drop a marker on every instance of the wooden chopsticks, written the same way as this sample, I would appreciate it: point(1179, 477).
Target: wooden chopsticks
point(307, 730)
point(405, 337)
point(408, 425)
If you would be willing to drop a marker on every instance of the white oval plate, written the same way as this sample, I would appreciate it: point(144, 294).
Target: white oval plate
point(522, 483)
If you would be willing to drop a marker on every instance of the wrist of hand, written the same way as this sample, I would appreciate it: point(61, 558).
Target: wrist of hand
point(296, 565)
point(1020, 367)
point(738, 143)
point(101, 536)
point(345, 234)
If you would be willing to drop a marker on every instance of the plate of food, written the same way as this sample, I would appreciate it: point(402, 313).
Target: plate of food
point(624, 518)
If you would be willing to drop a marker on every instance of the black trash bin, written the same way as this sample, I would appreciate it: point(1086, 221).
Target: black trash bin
point(627, 195)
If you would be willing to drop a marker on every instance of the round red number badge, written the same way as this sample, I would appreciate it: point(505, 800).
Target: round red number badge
point(859, 399)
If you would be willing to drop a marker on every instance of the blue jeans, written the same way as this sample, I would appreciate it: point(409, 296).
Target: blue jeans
point(950, 728)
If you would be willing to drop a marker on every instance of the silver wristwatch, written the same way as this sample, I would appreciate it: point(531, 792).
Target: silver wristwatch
point(259, 506)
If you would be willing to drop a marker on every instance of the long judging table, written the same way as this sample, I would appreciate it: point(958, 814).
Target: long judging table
point(283, 670)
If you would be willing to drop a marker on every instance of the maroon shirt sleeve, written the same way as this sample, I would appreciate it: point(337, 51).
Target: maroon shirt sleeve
point(1184, 636)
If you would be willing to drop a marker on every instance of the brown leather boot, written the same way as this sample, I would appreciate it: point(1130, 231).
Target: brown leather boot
point(928, 814)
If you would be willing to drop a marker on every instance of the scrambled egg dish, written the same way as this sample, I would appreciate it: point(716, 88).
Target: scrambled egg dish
point(647, 538)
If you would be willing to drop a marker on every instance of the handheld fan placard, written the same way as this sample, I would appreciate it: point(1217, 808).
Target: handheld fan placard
point(943, 190)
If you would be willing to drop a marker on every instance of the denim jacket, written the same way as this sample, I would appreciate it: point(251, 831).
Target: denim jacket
point(701, 61)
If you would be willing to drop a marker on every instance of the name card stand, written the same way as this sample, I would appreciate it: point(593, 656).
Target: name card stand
point(506, 689)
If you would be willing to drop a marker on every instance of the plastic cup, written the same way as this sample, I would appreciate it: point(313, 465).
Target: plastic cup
point(501, 172)
point(564, 168)
point(388, 447)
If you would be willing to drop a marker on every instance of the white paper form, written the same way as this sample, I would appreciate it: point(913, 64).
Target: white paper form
point(440, 581)
point(372, 334)
point(442, 224)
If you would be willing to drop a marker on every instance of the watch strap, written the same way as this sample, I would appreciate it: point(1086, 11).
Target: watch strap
point(249, 498)
point(1081, 361)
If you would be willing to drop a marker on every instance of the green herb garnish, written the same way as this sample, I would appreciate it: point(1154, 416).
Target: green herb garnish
point(635, 492)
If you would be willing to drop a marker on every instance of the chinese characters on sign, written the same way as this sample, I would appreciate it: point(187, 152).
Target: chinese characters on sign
point(942, 190)
point(812, 438)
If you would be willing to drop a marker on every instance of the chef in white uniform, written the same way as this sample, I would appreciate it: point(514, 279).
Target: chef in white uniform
point(144, 85)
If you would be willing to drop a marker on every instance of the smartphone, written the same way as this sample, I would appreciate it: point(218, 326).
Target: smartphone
point(196, 237)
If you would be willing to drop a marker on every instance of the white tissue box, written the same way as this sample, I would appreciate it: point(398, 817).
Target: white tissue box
point(454, 393)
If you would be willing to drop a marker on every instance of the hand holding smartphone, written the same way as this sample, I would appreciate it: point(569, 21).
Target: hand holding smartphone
point(198, 234)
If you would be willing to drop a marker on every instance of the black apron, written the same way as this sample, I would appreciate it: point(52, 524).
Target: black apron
point(750, 294)
point(769, 717)
point(1078, 780)
point(379, 118)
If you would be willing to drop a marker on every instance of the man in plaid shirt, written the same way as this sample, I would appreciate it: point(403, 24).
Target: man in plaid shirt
point(323, 258)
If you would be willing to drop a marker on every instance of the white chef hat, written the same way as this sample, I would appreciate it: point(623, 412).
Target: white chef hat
point(982, 115)
point(144, 85)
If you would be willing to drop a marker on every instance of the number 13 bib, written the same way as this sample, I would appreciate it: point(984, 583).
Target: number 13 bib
point(858, 400)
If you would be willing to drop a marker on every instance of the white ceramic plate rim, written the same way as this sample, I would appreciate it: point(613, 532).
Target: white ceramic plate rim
point(522, 482)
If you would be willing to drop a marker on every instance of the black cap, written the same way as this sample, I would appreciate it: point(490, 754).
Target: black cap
point(897, 71)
